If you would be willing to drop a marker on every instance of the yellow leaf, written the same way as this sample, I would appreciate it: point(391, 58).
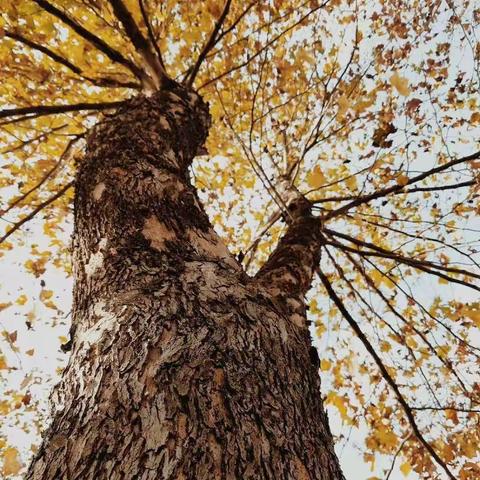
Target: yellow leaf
point(452, 415)
point(343, 105)
point(386, 437)
point(45, 164)
point(473, 315)
point(45, 295)
point(400, 84)
point(316, 178)
point(468, 449)
point(11, 462)
point(385, 346)
point(325, 364)
point(30, 352)
point(351, 183)
point(340, 403)
point(214, 9)
point(378, 278)
point(3, 363)
point(402, 179)
point(411, 342)
point(320, 328)
point(36, 267)
point(3, 306)
point(22, 299)
point(475, 118)
point(63, 339)
point(4, 407)
point(405, 468)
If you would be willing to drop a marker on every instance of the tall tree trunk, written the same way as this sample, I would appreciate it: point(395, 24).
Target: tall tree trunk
point(182, 366)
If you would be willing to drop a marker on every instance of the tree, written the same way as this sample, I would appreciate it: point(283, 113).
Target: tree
point(341, 155)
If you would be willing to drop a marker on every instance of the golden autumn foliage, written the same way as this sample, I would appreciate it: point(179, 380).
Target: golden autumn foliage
point(368, 108)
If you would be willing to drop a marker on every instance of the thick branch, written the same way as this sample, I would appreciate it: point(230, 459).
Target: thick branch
point(141, 44)
point(292, 264)
point(391, 382)
point(100, 44)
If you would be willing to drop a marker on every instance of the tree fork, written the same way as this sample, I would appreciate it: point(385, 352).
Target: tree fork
point(182, 366)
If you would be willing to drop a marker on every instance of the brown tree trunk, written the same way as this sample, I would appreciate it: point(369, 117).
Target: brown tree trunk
point(182, 367)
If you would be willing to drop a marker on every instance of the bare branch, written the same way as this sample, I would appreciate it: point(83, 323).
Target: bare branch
point(397, 453)
point(259, 51)
point(410, 262)
point(421, 237)
point(46, 51)
point(232, 27)
point(359, 268)
point(37, 138)
point(447, 407)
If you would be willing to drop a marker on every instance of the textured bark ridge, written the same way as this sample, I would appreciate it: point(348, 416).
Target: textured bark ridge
point(182, 367)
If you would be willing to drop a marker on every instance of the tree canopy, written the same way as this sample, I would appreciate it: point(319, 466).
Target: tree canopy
point(370, 109)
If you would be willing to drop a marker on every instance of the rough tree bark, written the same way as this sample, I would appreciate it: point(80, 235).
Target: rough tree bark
point(182, 366)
